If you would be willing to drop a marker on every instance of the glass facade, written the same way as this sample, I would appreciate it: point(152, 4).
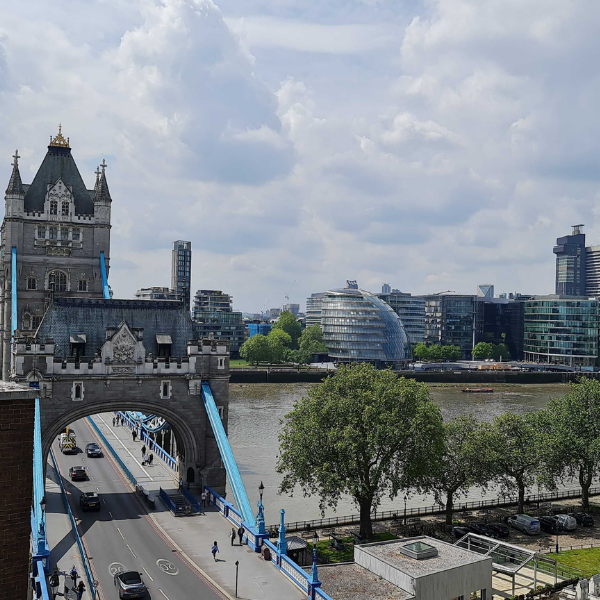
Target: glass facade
point(360, 327)
point(411, 310)
point(561, 330)
point(313, 309)
point(181, 270)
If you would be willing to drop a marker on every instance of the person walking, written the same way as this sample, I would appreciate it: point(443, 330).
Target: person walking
point(214, 550)
point(73, 573)
point(54, 582)
point(180, 484)
point(134, 434)
point(240, 533)
point(143, 451)
point(80, 589)
point(114, 421)
point(203, 496)
point(232, 536)
point(150, 458)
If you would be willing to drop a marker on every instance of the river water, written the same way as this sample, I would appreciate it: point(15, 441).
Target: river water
point(256, 409)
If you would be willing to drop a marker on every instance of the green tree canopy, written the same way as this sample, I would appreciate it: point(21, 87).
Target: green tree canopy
point(501, 352)
point(311, 342)
point(279, 341)
point(361, 432)
point(420, 351)
point(288, 322)
point(256, 349)
point(482, 350)
point(451, 352)
point(435, 352)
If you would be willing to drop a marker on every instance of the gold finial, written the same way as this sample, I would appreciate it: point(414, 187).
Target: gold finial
point(59, 140)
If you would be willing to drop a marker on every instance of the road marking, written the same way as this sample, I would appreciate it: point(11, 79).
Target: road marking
point(167, 597)
point(97, 488)
point(120, 532)
point(143, 567)
point(167, 566)
point(127, 449)
point(130, 550)
point(115, 568)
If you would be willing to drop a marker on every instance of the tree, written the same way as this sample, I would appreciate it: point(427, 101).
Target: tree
point(435, 352)
point(465, 462)
point(482, 350)
point(256, 349)
point(421, 352)
point(574, 441)
point(451, 352)
point(279, 341)
point(514, 443)
point(288, 322)
point(361, 432)
point(311, 342)
point(500, 352)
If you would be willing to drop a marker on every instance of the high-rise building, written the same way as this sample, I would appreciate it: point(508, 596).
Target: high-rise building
point(411, 310)
point(293, 308)
point(386, 288)
point(274, 313)
point(592, 271)
point(213, 313)
point(181, 270)
point(500, 321)
point(157, 293)
point(485, 290)
point(314, 305)
point(571, 263)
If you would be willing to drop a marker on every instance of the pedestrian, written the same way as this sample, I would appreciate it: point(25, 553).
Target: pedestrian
point(133, 435)
point(80, 589)
point(114, 421)
point(241, 532)
point(143, 450)
point(214, 550)
point(232, 535)
point(73, 573)
point(203, 496)
point(54, 582)
point(180, 484)
point(150, 458)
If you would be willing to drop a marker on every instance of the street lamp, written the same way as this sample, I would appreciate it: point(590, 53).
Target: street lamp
point(260, 517)
point(261, 489)
point(237, 566)
point(314, 582)
point(557, 542)
point(404, 510)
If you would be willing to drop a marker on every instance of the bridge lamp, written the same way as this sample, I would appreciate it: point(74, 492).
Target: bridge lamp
point(43, 505)
point(315, 540)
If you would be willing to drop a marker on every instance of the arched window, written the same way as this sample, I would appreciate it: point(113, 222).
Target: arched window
point(83, 285)
point(53, 207)
point(76, 235)
point(31, 283)
point(57, 281)
point(78, 391)
point(65, 209)
point(64, 234)
point(26, 321)
point(41, 231)
point(165, 390)
point(53, 233)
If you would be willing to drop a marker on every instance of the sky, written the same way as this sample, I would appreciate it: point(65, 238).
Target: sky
point(430, 144)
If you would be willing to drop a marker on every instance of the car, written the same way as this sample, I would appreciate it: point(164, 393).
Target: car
point(566, 522)
point(525, 523)
point(93, 451)
point(78, 474)
point(480, 529)
point(89, 501)
point(458, 532)
point(584, 519)
point(499, 530)
point(550, 524)
point(130, 584)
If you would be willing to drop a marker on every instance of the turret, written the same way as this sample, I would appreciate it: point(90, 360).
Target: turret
point(102, 199)
point(15, 194)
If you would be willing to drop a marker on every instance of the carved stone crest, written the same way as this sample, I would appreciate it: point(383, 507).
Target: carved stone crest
point(123, 347)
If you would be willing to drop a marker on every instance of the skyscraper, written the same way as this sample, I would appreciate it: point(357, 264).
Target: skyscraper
point(181, 270)
point(571, 263)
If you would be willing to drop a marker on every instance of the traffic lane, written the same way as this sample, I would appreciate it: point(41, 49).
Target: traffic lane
point(123, 536)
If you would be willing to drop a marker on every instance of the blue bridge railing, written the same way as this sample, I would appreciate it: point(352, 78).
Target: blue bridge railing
point(105, 288)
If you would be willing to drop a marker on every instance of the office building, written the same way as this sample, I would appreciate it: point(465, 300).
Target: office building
point(259, 328)
point(314, 306)
point(571, 263)
point(592, 271)
point(181, 270)
point(500, 321)
point(485, 290)
point(360, 327)
point(293, 308)
point(386, 288)
point(274, 313)
point(213, 313)
point(157, 293)
point(411, 310)
point(561, 330)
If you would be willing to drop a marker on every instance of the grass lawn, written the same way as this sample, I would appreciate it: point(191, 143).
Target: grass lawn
point(325, 551)
point(585, 559)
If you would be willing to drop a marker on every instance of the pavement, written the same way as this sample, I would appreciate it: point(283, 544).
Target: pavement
point(193, 536)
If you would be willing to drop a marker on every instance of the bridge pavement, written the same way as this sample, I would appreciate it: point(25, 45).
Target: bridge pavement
point(193, 536)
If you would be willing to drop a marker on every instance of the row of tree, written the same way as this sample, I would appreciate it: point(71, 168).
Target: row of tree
point(484, 350)
point(286, 342)
point(436, 352)
point(369, 434)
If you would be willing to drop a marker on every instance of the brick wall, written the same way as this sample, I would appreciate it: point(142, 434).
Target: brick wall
point(16, 485)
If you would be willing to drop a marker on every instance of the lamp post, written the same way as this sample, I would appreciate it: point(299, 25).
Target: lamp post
point(557, 542)
point(314, 582)
point(237, 566)
point(404, 510)
point(43, 508)
point(260, 517)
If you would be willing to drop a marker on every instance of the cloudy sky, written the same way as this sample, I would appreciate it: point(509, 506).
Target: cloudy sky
point(431, 144)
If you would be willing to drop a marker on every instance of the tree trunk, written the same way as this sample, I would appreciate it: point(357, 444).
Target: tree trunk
point(585, 481)
point(521, 497)
point(366, 527)
point(449, 506)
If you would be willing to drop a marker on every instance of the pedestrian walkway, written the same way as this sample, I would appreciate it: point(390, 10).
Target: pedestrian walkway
point(194, 535)
point(64, 552)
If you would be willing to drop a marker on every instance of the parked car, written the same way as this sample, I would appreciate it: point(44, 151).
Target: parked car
point(93, 451)
point(480, 529)
point(89, 501)
point(584, 519)
point(458, 532)
point(567, 522)
point(499, 530)
point(550, 524)
point(130, 584)
point(78, 473)
point(525, 523)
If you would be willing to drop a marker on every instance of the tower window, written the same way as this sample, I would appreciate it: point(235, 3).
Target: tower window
point(53, 233)
point(83, 287)
point(26, 321)
point(57, 281)
point(65, 209)
point(76, 235)
point(31, 283)
point(53, 208)
point(41, 231)
point(64, 233)
point(36, 322)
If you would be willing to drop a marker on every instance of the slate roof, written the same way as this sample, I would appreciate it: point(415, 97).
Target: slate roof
point(59, 164)
point(68, 317)
point(15, 185)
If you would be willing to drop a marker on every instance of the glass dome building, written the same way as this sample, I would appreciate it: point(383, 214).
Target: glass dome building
point(360, 327)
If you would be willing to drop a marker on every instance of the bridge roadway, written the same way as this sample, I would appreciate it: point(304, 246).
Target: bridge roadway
point(121, 533)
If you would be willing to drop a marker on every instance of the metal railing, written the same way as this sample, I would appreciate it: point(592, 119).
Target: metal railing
point(86, 564)
point(41, 583)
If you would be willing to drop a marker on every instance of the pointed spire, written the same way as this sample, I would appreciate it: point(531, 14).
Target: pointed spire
point(101, 187)
point(15, 185)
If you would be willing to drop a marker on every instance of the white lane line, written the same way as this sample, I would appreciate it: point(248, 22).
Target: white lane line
point(126, 449)
point(120, 532)
point(110, 514)
point(143, 567)
point(97, 488)
point(167, 597)
point(130, 550)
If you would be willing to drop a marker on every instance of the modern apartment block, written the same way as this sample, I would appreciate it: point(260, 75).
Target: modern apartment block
point(410, 309)
point(293, 308)
point(157, 293)
point(181, 270)
point(314, 306)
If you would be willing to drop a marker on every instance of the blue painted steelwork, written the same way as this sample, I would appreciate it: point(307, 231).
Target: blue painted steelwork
point(13, 300)
point(38, 521)
point(41, 583)
point(235, 479)
point(105, 290)
point(144, 419)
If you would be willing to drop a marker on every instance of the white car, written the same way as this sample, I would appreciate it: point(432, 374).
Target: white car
point(567, 522)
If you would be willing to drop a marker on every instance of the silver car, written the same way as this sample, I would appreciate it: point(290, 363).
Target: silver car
point(130, 584)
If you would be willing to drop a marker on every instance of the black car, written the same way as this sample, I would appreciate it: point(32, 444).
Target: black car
point(550, 524)
point(584, 519)
point(458, 532)
point(480, 529)
point(499, 530)
point(89, 501)
point(130, 584)
point(93, 451)
point(78, 474)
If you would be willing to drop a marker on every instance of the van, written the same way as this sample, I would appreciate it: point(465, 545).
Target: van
point(567, 522)
point(525, 523)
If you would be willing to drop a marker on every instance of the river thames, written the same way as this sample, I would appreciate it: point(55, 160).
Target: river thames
point(256, 409)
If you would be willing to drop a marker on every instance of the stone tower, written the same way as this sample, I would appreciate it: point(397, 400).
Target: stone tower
point(58, 228)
